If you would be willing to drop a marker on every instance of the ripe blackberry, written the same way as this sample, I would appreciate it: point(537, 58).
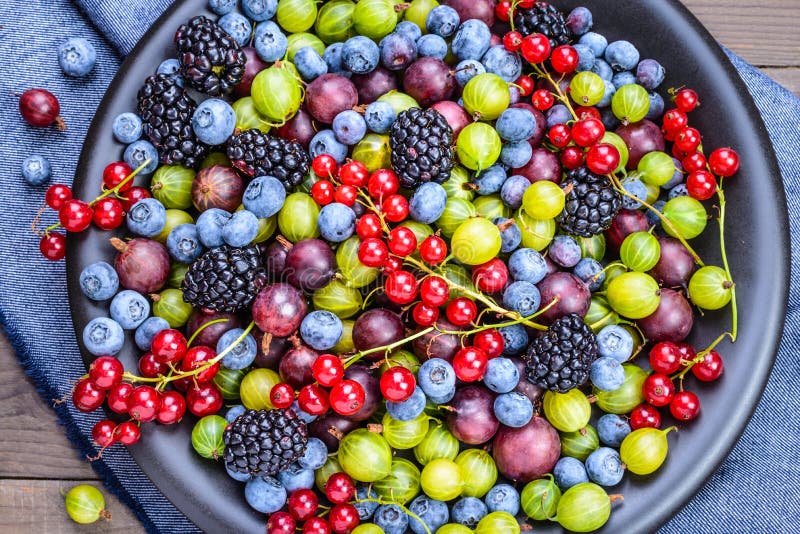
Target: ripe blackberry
point(561, 358)
point(543, 18)
point(421, 143)
point(211, 61)
point(591, 204)
point(264, 442)
point(225, 278)
point(166, 112)
point(255, 153)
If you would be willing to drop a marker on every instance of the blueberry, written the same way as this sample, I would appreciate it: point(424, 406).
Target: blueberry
point(103, 336)
point(333, 59)
point(295, 477)
point(305, 416)
point(471, 40)
point(349, 127)
point(221, 7)
point(608, 96)
point(515, 339)
point(522, 297)
point(603, 69)
point(490, 180)
point(147, 217)
point(379, 117)
point(591, 272)
point(171, 67)
point(336, 222)
point(77, 57)
point(442, 21)
point(99, 281)
point(237, 26)
point(513, 189)
point(569, 472)
point(503, 63)
point(264, 197)
point(656, 110)
point(436, 377)
point(468, 69)
point(612, 429)
point(183, 243)
point(595, 41)
point(316, 454)
point(513, 409)
point(36, 170)
point(427, 203)
point(209, 226)
point(503, 498)
point(652, 218)
point(558, 114)
point(516, 155)
point(586, 57)
point(510, 234)
point(623, 78)
point(213, 121)
point(146, 331)
point(265, 494)
point(240, 229)
point(516, 124)
point(237, 476)
point(309, 64)
point(409, 29)
point(365, 509)
point(408, 409)
point(129, 309)
point(677, 177)
point(636, 188)
point(240, 356)
point(610, 121)
point(579, 21)
point(321, 330)
point(501, 375)
point(607, 374)
point(127, 127)
point(431, 45)
point(622, 55)
point(679, 190)
point(391, 519)
point(269, 41)
point(433, 514)
point(604, 467)
point(398, 51)
point(360, 55)
point(138, 152)
point(324, 142)
point(615, 342)
point(468, 511)
point(528, 265)
point(564, 251)
point(650, 74)
point(235, 411)
point(260, 10)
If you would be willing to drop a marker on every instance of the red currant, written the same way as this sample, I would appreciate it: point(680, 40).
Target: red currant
point(491, 276)
point(525, 4)
point(535, 48)
point(560, 135)
point(340, 488)
point(197, 357)
point(695, 161)
point(572, 157)
point(503, 10)
point(103, 433)
point(281, 523)
point(709, 368)
point(645, 416)
point(354, 173)
point(685, 406)
point(108, 213)
point(658, 389)
point(327, 369)
point(395, 208)
point(143, 403)
point(391, 265)
point(150, 368)
point(587, 132)
point(424, 315)
point(281, 395)
point(106, 372)
point(564, 59)
point(372, 252)
point(490, 341)
point(343, 518)
point(324, 165)
point(665, 357)
point(316, 525)
point(525, 84)
point(686, 100)
point(86, 396)
point(369, 225)
point(677, 153)
point(127, 433)
point(433, 250)
point(461, 311)
point(53, 246)
point(401, 287)
point(724, 162)
point(675, 120)
point(397, 384)
point(542, 99)
point(347, 397)
point(57, 195)
point(688, 139)
point(115, 173)
point(470, 364)
point(687, 352)
point(132, 196)
point(588, 112)
point(204, 399)
point(345, 194)
point(701, 185)
point(313, 399)
point(172, 408)
point(322, 192)
point(75, 215)
point(168, 346)
point(302, 504)
point(434, 291)
point(512, 41)
point(402, 241)
point(382, 183)
point(602, 158)
point(118, 397)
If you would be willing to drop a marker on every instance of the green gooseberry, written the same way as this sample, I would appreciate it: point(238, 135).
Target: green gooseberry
point(169, 305)
point(207, 436)
point(710, 288)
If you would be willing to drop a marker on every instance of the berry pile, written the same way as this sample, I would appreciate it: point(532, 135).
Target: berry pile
point(368, 240)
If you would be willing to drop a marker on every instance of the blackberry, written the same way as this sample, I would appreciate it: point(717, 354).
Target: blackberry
point(543, 18)
point(166, 112)
point(264, 442)
point(255, 153)
point(591, 204)
point(421, 143)
point(561, 358)
point(211, 60)
point(225, 278)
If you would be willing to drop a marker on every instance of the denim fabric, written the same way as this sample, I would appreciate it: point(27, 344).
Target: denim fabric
point(755, 489)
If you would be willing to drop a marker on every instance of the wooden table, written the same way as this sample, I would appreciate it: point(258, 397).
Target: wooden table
point(37, 462)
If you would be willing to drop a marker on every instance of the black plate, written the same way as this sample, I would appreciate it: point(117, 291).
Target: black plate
point(757, 235)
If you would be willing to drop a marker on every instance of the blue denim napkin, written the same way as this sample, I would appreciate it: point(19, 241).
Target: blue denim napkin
point(755, 489)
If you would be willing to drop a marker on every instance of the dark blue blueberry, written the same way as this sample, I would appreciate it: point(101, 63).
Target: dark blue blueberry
point(656, 110)
point(336, 222)
point(625, 77)
point(516, 155)
point(513, 189)
point(237, 26)
point(580, 21)
point(241, 229)
point(210, 224)
point(398, 51)
point(431, 45)
point(505, 64)
point(595, 41)
point(515, 338)
point(436, 377)
point(99, 281)
point(528, 265)
point(442, 21)
point(652, 218)
point(321, 330)
point(265, 494)
point(36, 170)
point(77, 57)
point(360, 55)
point(586, 57)
point(103, 336)
point(650, 74)
point(610, 121)
point(138, 152)
point(522, 297)
point(365, 509)
point(603, 69)
point(621, 55)
point(296, 477)
point(636, 188)
point(569, 472)
point(612, 429)
point(349, 127)
point(129, 309)
point(604, 467)
point(503, 498)
point(472, 40)
point(607, 374)
point(269, 41)
point(408, 409)
point(333, 58)
point(513, 409)
point(468, 511)
point(143, 337)
point(147, 217)
point(679, 190)
point(183, 243)
point(433, 514)
point(236, 410)
point(558, 114)
point(240, 356)
point(427, 203)
point(380, 116)
point(127, 127)
point(324, 142)
point(391, 518)
point(468, 69)
point(309, 64)
point(564, 251)
point(264, 196)
point(591, 272)
point(510, 234)
point(237, 476)
point(260, 10)
point(409, 29)
point(221, 7)
point(213, 121)
point(501, 375)
point(615, 342)
point(316, 454)
point(490, 180)
point(516, 124)
point(608, 96)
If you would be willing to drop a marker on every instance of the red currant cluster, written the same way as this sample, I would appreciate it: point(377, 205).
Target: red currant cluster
point(106, 211)
point(303, 505)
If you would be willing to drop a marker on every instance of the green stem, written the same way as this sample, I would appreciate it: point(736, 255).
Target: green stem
point(386, 348)
point(206, 325)
point(723, 251)
point(498, 325)
point(563, 98)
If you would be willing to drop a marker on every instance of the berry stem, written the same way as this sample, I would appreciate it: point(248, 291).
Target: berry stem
point(562, 97)
point(723, 252)
point(203, 327)
point(386, 348)
point(498, 325)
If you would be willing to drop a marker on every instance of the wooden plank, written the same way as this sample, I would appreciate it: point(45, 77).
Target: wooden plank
point(34, 445)
point(789, 78)
point(764, 32)
point(38, 506)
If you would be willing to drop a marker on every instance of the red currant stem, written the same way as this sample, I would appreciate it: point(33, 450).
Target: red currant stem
point(498, 325)
point(399, 505)
point(385, 348)
point(206, 325)
point(371, 205)
point(562, 97)
point(665, 221)
point(514, 5)
point(723, 252)
point(699, 357)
